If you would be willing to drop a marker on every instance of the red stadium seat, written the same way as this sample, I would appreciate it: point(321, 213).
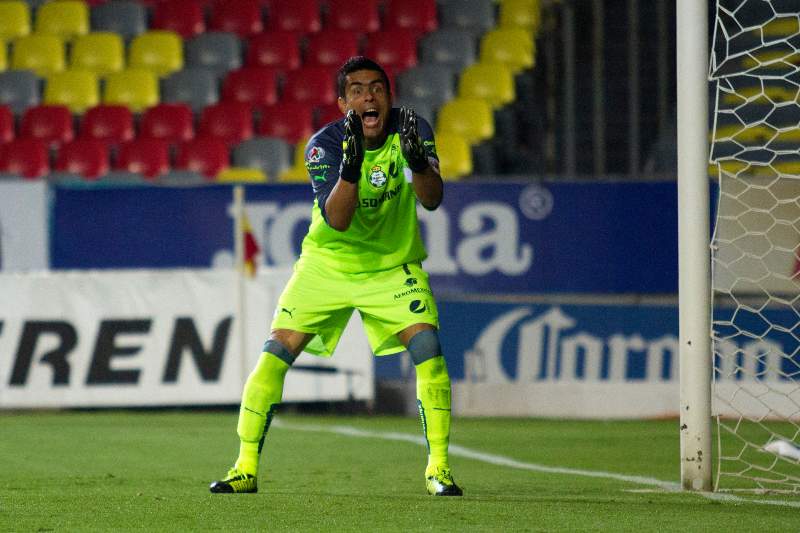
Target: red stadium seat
point(86, 157)
point(353, 15)
point(417, 15)
point(331, 48)
point(230, 122)
point(243, 17)
point(325, 114)
point(184, 17)
point(25, 157)
point(205, 155)
point(276, 49)
point(112, 124)
point(148, 157)
point(6, 124)
point(290, 121)
point(311, 85)
point(172, 123)
point(251, 85)
point(51, 124)
point(393, 49)
point(301, 16)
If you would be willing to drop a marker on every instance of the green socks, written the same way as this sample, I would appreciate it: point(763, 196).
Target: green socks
point(433, 399)
point(262, 393)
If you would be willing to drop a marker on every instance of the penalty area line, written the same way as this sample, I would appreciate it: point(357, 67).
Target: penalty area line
point(500, 460)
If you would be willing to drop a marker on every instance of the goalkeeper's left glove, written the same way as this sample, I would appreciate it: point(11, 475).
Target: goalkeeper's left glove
point(410, 141)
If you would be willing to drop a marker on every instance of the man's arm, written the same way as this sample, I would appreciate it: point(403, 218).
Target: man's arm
point(426, 180)
point(341, 204)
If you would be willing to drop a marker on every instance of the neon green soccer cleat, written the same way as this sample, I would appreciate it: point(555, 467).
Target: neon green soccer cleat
point(439, 482)
point(235, 482)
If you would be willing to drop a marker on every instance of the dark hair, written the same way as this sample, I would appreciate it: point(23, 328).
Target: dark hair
point(358, 63)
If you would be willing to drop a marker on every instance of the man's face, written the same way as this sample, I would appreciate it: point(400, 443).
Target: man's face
point(366, 93)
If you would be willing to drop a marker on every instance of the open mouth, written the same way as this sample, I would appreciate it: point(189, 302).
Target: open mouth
point(370, 118)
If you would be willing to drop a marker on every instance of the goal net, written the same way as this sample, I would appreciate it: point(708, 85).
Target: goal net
point(755, 70)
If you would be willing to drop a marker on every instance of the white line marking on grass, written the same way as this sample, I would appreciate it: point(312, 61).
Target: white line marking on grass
point(461, 451)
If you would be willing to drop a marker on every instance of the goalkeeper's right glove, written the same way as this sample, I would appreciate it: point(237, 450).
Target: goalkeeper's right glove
point(352, 148)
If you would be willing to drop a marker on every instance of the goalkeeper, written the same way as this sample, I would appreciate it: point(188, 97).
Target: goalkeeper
point(363, 251)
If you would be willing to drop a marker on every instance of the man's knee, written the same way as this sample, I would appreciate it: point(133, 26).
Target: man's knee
point(291, 343)
point(424, 345)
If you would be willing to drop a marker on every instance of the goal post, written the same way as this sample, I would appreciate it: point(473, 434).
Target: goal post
point(694, 260)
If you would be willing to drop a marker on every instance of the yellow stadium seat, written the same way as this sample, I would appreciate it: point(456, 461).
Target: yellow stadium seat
point(65, 18)
point(3, 58)
point(470, 118)
point(135, 88)
point(158, 50)
point(15, 19)
point(512, 47)
point(76, 89)
point(242, 175)
point(101, 52)
point(41, 53)
point(523, 14)
point(455, 156)
point(492, 82)
point(297, 172)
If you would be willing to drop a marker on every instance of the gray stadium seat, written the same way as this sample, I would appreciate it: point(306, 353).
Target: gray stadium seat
point(424, 107)
point(434, 83)
point(181, 178)
point(196, 87)
point(451, 47)
point(272, 155)
point(216, 50)
point(475, 16)
point(126, 18)
point(19, 89)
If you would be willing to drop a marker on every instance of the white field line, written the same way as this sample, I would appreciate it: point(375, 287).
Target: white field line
point(461, 451)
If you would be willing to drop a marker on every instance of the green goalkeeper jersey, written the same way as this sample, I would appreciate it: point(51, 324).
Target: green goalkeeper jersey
point(384, 232)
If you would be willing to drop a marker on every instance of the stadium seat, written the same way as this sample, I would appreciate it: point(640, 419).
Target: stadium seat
point(40, 53)
point(15, 20)
point(523, 14)
point(126, 18)
point(184, 17)
point(475, 16)
point(360, 16)
point(243, 17)
point(216, 51)
point(492, 82)
point(452, 47)
point(3, 57)
point(112, 124)
point(324, 114)
point(204, 155)
point(51, 124)
point(512, 47)
point(470, 118)
point(230, 122)
point(7, 132)
point(24, 157)
point(300, 16)
point(331, 48)
point(424, 107)
point(76, 89)
point(158, 50)
point(241, 175)
point(271, 155)
point(84, 157)
point(99, 52)
point(291, 122)
point(196, 86)
point(455, 156)
point(19, 89)
point(297, 173)
point(170, 122)
point(66, 19)
point(145, 156)
point(135, 88)
point(311, 85)
point(417, 15)
point(275, 49)
point(435, 83)
point(251, 85)
point(393, 49)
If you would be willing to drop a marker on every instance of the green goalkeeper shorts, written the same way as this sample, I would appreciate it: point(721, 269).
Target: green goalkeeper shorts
point(320, 301)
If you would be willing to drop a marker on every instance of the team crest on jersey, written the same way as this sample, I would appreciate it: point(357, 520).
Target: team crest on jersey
point(315, 155)
point(377, 177)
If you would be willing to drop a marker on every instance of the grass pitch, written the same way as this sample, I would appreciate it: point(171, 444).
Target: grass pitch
point(149, 471)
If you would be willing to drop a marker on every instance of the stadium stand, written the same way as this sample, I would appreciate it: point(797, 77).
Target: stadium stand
point(124, 17)
point(217, 51)
point(243, 17)
point(241, 175)
point(512, 47)
point(271, 155)
point(84, 157)
point(19, 89)
point(455, 157)
point(394, 49)
point(66, 19)
point(135, 88)
point(360, 16)
point(435, 83)
point(112, 124)
point(51, 124)
point(206, 156)
point(146, 156)
point(231, 122)
point(76, 89)
point(417, 15)
point(15, 20)
point(28, 158)
point(3, 58)
point(524, 14)
point(475, 16)
point(492, 82)
point(98, 52)
point(159, 51)
point(41, 53)
point(169, 122)
point(331, 48)
point(310, 85)
point(451, 47)
point(7, 131)
point(184, 17)
point(253, 86)
point(290, 121)
point(470, 118)
point(300, 16)
point(195, 86)
point(276, 49)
